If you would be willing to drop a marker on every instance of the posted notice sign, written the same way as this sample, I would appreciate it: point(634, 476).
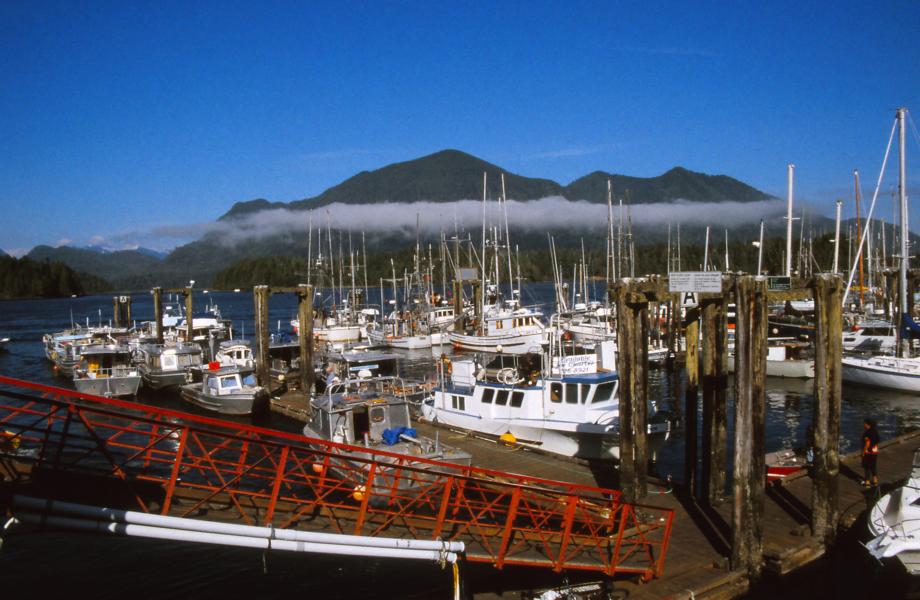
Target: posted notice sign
point(695, 281)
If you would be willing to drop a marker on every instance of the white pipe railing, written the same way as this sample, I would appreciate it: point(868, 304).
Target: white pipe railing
point(108, 520)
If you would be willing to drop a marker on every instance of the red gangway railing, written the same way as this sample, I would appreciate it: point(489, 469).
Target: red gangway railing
point(223, 470)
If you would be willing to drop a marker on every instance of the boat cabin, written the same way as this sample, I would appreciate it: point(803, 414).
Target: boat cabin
point(171, 358)
point(359, 417)
point(226, 381)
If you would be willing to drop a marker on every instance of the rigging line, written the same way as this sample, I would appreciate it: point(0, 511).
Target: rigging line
point(862, 237)
point(913, 127)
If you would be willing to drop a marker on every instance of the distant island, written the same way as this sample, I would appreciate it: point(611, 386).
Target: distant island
point(26, 278)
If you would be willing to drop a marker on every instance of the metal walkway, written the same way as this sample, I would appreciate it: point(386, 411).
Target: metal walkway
point(174, 463)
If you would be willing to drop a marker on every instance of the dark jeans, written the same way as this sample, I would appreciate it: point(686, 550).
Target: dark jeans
point(869, 462)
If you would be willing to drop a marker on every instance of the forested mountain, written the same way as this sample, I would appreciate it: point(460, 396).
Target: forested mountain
point(452, 175)
point(26, 278)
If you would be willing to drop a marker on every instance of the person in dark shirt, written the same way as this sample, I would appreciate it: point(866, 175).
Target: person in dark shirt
point(870, 440)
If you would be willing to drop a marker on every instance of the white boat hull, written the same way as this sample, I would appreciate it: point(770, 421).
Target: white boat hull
point(122, 385)
point(901, 374)
point(601, 444)
point(789, 369)
point(340, 333)
point(406, 342)
point(510, 344)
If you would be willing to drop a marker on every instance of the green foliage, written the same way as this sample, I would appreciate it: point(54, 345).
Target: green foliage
point(26, 278)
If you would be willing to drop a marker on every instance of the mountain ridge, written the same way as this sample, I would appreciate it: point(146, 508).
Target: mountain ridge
point(451, 175)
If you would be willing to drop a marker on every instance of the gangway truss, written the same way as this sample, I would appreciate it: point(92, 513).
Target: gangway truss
point(174, 463)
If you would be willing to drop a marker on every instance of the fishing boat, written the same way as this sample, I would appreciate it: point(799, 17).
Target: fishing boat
point(235, 353)
point(167, 366)
point(786, 358)
point(564, 404)
point(900, 372)
point(503, 328)
point(106, 370)
point(228, 390)
point(362, 414)
point(871, 336)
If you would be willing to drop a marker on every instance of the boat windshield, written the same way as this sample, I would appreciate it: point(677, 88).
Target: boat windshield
point(249, 379)
point(603, 393)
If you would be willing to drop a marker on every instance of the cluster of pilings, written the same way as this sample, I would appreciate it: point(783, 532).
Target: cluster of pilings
point(750, 296)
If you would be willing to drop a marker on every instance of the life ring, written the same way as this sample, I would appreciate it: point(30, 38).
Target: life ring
point(566, 336)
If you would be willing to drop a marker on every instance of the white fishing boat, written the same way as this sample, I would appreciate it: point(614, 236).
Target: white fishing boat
point(786, 358)
point(235, 353)
point(871, 336)
point(566, 405)
point(229, 390)
point(504, 329)
point(106, 370)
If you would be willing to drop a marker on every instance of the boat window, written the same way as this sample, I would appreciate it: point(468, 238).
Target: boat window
point(378, 414)
point(498, 324)
point(571, 393)
point(168, 362)
point(517, 398)
point(487, 394)
point(249, 379)
point(212, 384)
point(458, 402)
point(229, 382)
point(603, 393)
point(501, 398)
point(555, 392)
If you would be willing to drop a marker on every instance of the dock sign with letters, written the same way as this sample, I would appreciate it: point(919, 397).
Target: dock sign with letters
point(695, 281)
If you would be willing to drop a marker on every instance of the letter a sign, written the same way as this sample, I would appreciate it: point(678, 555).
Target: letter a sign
point(689, 300)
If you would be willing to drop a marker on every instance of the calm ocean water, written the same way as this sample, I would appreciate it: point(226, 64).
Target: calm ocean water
point(118, 567)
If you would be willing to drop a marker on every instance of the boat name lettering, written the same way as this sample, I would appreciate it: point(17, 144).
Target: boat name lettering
point(574, 365)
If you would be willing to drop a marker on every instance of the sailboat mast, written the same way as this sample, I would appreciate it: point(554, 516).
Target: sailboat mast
point(790, 170)
point(837, 236)
point(760, 251)
point(706, 251)
point(859, 228)
point(507, 237)
point(310, 249)
point(905, 231)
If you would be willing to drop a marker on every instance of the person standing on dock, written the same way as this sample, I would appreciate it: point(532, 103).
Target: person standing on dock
point(870, 441)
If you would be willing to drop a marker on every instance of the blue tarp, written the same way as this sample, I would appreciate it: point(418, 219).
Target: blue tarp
point(391, 436)
point(909, 329)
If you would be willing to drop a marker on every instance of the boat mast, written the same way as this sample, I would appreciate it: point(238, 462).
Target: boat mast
point(726, 251)
point(837, 236)
point(859, 228)
point(611, 254)
point(310, 249)
point(904, 345)
point(790, 169)
point(760, 251)
point(706, 251)
point(507, 238)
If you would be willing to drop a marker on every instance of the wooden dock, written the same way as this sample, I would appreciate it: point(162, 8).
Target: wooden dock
point(697, 563)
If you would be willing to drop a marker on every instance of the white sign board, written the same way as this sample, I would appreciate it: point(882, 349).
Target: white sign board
point(688, 299)
point(695, 281)
point(578, 365)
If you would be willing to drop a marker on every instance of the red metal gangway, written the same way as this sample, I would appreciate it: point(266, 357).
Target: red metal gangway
point(180, 464)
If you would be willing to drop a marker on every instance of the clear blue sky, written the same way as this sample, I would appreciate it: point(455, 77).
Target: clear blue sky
point(117, 117)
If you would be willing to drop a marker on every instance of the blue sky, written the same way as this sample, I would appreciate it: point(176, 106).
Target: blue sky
point(120, 117)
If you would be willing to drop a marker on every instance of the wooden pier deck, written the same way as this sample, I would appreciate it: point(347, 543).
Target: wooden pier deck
point(697, 561)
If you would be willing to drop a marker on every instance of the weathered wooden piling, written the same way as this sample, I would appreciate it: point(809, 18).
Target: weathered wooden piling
point(121, 311)
point(828, 294)
point(260, 294)
point(458, 306)
point(715, 382)
point(632, 365)
point(305, 314)
point(158, 312)
point(189, 319)
point(750, 397)
point(691, 399)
